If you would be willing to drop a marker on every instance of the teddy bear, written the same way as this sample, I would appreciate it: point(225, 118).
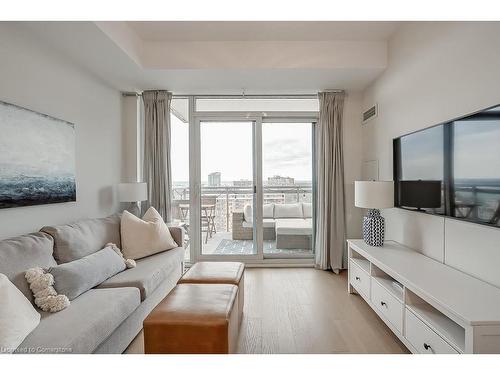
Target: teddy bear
point(46, 297)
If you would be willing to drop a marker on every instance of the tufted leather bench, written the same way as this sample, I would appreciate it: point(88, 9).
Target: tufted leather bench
point(218, 273)
point(194, 319)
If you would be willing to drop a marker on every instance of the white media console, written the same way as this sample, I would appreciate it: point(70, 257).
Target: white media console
point(436, 309)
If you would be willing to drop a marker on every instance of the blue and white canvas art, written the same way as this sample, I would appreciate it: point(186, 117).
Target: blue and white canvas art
point(37, 158)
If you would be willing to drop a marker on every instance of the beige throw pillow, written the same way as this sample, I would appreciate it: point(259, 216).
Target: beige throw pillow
point(146, 236)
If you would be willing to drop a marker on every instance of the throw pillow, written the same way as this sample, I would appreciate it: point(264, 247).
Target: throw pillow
point(76, 277)
point(42, 286)
point(18, 317)
point(146, 236)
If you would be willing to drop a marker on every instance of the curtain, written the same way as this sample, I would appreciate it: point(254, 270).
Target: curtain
point(156, 169)
point(330, 243)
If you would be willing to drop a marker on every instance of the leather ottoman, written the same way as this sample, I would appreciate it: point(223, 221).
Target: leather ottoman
point(194, 319)
point(218, 273)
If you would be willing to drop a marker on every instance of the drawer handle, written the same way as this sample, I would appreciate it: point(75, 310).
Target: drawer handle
point(357, 278)
point(383, 303)
point(427, 347)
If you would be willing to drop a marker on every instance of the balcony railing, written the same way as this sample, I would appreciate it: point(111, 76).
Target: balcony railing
point(234, 198)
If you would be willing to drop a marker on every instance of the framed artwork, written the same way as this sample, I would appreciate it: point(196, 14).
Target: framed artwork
point(37, 158)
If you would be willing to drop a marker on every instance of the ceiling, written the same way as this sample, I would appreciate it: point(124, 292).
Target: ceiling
point(263, 30)
point(224, 57)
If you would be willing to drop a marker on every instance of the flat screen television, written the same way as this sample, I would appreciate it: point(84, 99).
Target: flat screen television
point(452, 169)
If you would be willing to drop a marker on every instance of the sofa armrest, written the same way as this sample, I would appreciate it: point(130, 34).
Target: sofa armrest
point(177, 234)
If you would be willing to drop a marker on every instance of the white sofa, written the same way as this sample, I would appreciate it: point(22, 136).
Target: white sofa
point(290, 224)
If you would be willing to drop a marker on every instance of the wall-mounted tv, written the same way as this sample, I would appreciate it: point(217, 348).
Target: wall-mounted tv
point(452, 169)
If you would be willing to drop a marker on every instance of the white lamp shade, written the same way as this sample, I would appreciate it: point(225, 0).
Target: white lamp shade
point(374, 194)
point(133, 192)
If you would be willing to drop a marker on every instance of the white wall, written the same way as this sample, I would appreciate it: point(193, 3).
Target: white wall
point(35, 76)
point(436, 72)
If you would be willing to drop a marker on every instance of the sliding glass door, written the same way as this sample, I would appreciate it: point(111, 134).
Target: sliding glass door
point(227, 187)
point(287, 171)
point(251, 180)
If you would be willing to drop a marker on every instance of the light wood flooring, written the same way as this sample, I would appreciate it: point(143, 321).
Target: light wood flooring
point(302, 310)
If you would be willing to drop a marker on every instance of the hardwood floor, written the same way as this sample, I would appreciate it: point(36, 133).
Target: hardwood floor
point(302, 310)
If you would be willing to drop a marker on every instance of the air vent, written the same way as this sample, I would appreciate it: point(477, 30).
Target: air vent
point(370, 114)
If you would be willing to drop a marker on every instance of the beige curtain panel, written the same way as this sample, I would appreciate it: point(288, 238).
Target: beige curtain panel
point(157, 171)
point(330, 225)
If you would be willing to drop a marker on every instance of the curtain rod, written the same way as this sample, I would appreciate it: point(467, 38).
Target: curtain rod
point(235, 96)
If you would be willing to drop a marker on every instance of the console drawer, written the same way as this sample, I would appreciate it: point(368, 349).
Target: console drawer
point(359, 279)
point(388, 305)
point(423, 338)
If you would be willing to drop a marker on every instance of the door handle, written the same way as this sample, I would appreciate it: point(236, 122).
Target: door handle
point(357, 278)
point(383, 303)
point(427, 346)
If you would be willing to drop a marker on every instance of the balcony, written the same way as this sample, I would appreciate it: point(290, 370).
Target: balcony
point(227, 219)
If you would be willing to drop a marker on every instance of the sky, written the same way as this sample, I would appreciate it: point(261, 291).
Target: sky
point(227, 148)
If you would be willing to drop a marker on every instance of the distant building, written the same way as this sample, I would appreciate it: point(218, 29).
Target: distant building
point(242, 182)
point(214, 179)
point(280, 181)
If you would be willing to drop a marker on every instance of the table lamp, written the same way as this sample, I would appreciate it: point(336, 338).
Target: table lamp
point(373, 195)
point(133, 192)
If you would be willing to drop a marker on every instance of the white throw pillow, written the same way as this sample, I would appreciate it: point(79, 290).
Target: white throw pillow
point(267, 212)
point(307, 208)
point(248, 213)
point(18, 317)
point(146, 236)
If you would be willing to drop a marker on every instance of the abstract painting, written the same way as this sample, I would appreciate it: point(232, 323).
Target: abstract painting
point(37, 158)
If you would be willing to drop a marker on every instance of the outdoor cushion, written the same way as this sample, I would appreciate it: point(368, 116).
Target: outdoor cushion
point(248, 213)
point(76, 240)
point(82, 326)
point(149, 272)
point(266, 223)
point(18, 254)
point(288, 210)
point(307, 209)
point(267, 212)
point(294, 226)
point(74, 278)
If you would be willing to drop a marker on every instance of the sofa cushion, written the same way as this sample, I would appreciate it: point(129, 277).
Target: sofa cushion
point(307, 210)
point(74, 278)
point(288, 210)
point(149, 272)
point(88, 321)
point(294, 227)
point(18, 254)
point(18, 317)
point(266, 223)
point(76, 240)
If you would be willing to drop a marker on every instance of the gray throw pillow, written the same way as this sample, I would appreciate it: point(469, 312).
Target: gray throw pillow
point(74, 278)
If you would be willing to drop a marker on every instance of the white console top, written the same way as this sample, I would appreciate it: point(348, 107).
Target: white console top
point(455, 293)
